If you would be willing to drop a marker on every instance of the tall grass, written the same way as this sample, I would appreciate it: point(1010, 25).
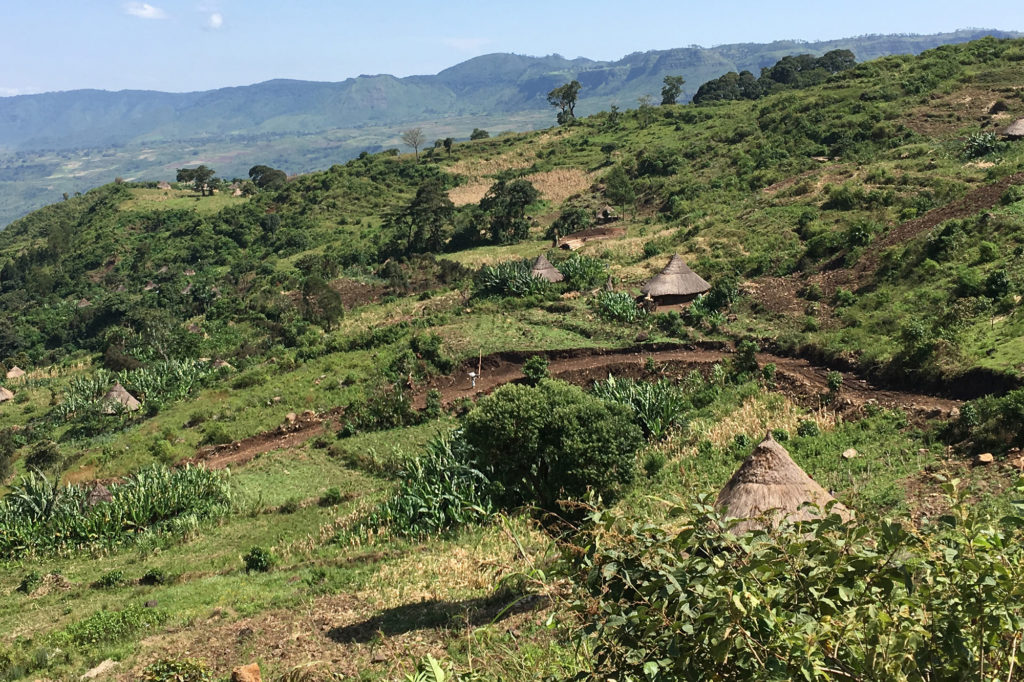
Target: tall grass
point(657, 406)
point(38, 515)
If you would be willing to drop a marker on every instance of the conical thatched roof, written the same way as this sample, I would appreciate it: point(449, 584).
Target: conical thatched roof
point(1015, 129)
point(677, 279)
point(15, 372)
point(769, 487)
point(543, 268)
point(83, 303)
point(99, 493)
point(5, 395)
point(119, 395)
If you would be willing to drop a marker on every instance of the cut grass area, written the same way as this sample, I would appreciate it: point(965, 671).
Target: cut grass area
point(170, 199)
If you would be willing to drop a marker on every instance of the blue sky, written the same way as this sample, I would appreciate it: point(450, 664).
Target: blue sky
point(181, 45)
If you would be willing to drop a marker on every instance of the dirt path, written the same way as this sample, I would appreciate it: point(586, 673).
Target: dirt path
point(798, 378)
point(780, 294)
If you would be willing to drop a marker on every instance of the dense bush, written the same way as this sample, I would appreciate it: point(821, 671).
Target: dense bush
point(618, 306)
point(511, 278)
point(824, 600)
point(583, 272)
point(177, 670)
point(535, 368)
point(553, 441)
point(258, 560)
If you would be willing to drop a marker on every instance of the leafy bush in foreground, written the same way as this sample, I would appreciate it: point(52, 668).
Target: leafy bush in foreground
point(37, 515)
point(618, 306)
point(174, 670)
point(511, 278)
point(820, 601)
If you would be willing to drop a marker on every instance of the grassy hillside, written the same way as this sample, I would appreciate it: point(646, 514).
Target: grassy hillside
point(54, 143)
point(862, 238)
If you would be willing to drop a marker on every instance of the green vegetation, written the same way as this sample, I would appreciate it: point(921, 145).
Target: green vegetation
point(413, 422)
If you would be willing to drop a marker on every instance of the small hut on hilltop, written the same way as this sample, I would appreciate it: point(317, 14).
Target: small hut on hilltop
point(118, 395)
point(769, 487)
point(677, 284)
point(543, 268)
point(163, 184)
point(1015, 131)
point(5, 395)
point(15, 372)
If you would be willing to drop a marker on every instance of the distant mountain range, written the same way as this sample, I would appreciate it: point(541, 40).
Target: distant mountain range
point(52, 142)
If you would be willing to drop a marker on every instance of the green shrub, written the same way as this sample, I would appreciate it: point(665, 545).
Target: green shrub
point(106, 627)
point(808, 428)
point(870, 598)
point(113, 578)
point(618, 306)
point(44, 456)
point(177, 670)
point(432, 408)
point(215, 434)
point(539, 444)
point(29, 582)
point(511, 278)
point(332, 497)
point(834, 381)
point(535, 368)
point(155, 576)
point(980, 144)
point(289, 506)
point(1012, 195)
point(259, 560)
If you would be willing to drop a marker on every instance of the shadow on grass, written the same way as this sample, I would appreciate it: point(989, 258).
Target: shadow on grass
point(436, 614)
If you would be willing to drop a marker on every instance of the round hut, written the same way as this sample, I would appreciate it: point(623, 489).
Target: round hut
point(677, 284)
point(769, 488)
point(15, 372)
point(1015, 131)
point(543, 268)
point(119, 396)
point(5, 395)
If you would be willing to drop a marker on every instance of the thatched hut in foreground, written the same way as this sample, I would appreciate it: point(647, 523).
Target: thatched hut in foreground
point(770, 487)
point(1015, 131)
point(118, 395)
point(543, 268)
point(676, 284)
point(5, 395)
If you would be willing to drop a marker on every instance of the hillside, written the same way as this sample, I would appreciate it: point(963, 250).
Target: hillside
point(861, 238)
point(71, 141)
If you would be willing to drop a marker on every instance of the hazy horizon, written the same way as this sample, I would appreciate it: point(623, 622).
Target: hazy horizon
point(185, 46)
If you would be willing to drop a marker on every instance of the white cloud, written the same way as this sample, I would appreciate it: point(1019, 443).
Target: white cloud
point(13, 92)
point(466, 44)
point(215, 20)
point(144, 10)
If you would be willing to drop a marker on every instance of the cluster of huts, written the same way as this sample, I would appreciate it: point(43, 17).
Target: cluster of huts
point(14, 374)
point(674, 287)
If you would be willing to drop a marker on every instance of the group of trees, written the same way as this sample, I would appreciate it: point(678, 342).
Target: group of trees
point(565, 96)
point(201, 178)
point(799, 71)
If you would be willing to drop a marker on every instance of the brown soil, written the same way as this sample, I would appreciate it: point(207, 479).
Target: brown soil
point(798, 378)
point(355, 293)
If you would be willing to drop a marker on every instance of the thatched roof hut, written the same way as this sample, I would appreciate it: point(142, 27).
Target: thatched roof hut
point(83, 303)
point(543, 268)
point(222, 364)
point(99, 493)
point(677, 283)
point(163, 184)
point(5, 395)
point(118, 395)
point(1015, 131)
point(15, 372)
point(150, 285)
point(770, 487)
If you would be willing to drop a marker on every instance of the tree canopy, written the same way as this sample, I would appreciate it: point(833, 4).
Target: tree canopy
point(672, 89)
point(200, 177)
point(564, 97)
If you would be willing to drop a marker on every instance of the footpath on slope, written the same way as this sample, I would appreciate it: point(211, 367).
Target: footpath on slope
point(799, 379)
point(779, 294)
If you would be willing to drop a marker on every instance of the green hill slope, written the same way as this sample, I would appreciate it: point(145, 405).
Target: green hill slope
point(865, 233)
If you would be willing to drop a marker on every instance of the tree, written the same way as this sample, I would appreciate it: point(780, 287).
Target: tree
point(201, 178)
point(266, 177)
point(564, 97)
point(644, 113)
point(618, 186)
point(506, 204)
point(479, 134)
point(672, 89)
point(448, 142)
point(430, 212)
point(414, 137)
point(320, 303)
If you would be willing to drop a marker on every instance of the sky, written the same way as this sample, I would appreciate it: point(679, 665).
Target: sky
point(187, 45)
